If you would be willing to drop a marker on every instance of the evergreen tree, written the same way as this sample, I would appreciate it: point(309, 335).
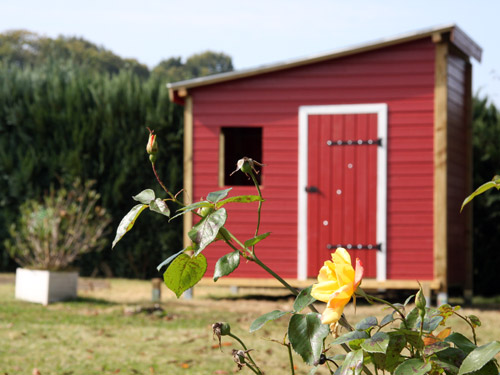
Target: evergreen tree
point(62, 122)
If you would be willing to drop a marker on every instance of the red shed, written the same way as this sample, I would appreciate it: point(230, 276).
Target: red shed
point(368, 148)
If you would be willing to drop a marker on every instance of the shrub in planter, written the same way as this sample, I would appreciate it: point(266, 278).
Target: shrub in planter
point(50, 235)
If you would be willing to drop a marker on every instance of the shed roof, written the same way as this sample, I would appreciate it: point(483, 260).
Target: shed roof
point(450, 32)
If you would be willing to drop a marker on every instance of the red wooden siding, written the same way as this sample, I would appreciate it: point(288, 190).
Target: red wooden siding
point(401, 76)
point(457, 171)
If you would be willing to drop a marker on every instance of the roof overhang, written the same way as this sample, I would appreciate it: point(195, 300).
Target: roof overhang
point(179, 90)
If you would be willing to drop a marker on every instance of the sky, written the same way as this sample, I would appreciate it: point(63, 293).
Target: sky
point(257, 32)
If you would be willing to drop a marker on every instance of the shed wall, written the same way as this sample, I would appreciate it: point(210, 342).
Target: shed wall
point(458, 163)
point(401, 76)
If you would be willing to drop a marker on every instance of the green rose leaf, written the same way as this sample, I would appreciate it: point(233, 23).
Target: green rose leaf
point(408, 300)
point(240, 199)
point(479, 357)
point(393, 358)
point(353, 363)
point(430, 324)
point(448, 367)
point(413, 366)
point(253, 241)
point(474, 320)
point(461, 342)
point(377, 343)
point(303, 300)
point(145, 196)
point(411, 319)
point(453, 357)
point(128, 222)
point(387, 319)
point(350, 336)
point(172, 257)
point(191, 207)
point(480, 190)
point(159, 206)
point(184, 272)
point(413, 337)
point(263, 319)
point(205, 232)
point(367, 323)
point(226, 264)
point(306, 334)
point(216, 196)
point(435, 348)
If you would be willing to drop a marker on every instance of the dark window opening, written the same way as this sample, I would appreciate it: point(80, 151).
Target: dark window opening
point(235, 144)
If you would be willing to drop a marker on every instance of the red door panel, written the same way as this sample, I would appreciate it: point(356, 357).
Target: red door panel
point(343, 210)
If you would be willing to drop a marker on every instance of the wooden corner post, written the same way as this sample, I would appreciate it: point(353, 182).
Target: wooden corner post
point(440, 168)
point(188, 166)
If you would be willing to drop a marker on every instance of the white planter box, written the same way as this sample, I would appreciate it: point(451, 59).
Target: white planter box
point(45, 286)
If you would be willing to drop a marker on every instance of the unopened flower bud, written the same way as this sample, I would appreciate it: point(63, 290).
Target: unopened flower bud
point(152, 146)
point(421, 302)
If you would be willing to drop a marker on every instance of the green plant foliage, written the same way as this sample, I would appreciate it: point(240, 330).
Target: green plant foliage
point(479, 357)
point(172, 257)
point(303, 300)
point(205, 232)
point(413, 366)
point(486, 208)
point(306, 334)
point(145, 196)
point(184, 272)
point(353, 363)
point(51, 234)
point(62, 121)
point(240, 199)
point(378, 343)
point(255, 240)
point(128, 222)
point(481, 189)
point(263, 319)
point(226, 264)
point(367, 323)
point(216, 196)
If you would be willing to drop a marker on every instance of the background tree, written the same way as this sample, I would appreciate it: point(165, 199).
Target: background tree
point(70, 109)
point(486, 208)
point(26, 49)
point(202, 64)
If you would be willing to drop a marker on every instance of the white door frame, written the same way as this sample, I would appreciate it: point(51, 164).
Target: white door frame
point(380, 109)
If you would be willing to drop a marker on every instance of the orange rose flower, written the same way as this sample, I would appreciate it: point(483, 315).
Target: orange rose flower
point(337, 282)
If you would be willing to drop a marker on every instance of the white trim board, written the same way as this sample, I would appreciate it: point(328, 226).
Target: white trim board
point(380, 109)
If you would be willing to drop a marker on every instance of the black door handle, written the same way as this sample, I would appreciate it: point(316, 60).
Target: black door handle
point(312, 189)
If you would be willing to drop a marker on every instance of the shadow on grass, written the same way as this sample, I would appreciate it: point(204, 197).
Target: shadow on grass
point(90, 300)
point(259, 297)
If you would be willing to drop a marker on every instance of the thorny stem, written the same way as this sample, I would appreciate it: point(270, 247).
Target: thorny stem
point(275, 275)
point(256, 183)
point(248, 353)
point(251, 368)
point(391, 305)
point(172, 197)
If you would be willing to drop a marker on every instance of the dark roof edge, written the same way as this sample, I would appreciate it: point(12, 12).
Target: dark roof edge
point(473, 50)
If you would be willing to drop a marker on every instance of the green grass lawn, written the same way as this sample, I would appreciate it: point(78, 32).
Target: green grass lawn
point(101, 333)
